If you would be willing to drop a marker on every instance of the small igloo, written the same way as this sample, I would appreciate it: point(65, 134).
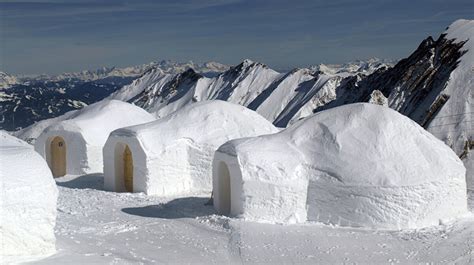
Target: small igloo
point(27, 202)
point(359, 165)
point(74, 146)
point(173, 155)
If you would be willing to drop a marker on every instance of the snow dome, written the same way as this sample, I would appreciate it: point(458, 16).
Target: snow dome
point(28, 201)
point(173, 155)
point(74, 145)
point(360, 165)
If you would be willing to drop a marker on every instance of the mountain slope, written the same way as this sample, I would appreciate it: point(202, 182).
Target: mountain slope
point(276, 96)
point(27, 99)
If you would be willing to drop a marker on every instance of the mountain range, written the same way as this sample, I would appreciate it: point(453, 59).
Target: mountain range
point(433, 86)
point(28, 99)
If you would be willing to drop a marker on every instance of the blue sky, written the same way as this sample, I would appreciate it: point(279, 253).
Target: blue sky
point(71, 35)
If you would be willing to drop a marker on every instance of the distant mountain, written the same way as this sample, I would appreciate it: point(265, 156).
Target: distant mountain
point(27, 99)
point(109, 73)
point(279, 97)
point(357, 67)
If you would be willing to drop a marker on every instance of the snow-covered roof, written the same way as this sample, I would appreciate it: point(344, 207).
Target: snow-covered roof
point(360, 145)
point(204, 122)
point(96, 121)
point(355, 165)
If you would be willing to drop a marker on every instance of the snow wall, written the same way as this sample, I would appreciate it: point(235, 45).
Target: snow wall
point(359, 165)
point(173, 155)
point(85, 133)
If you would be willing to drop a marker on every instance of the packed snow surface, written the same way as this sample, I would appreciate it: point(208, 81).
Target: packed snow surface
point(360, 165)
point(173, 155)
point(100, 227)
point(27, 202)
point(85, 132)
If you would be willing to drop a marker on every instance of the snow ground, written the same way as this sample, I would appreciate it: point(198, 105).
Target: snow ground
point(101, 227)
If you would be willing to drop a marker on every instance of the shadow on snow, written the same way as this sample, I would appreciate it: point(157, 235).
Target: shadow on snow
point(90, 181)
point(190, 207)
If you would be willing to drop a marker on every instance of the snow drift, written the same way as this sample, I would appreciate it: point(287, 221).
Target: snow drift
point(173, 155)
point(28, 201)
point(360, 165)
point(74, 145)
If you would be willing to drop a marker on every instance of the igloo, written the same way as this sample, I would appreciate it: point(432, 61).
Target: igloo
point(173, 155)
point(359, 165)
point(74, 146)
point(28, 202)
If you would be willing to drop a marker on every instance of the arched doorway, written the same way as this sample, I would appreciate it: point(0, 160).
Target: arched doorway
point(224, 189)
point(128, 169)
point(58, 156)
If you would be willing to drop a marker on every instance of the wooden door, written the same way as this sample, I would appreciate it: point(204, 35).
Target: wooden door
point(58, 157)
point(224, 189)
point(128, 169)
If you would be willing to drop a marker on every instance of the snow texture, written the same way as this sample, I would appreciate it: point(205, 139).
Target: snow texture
point(100, 227)
point(85, 132)
point(28, 202)
point(360, 165)
point(173, 155)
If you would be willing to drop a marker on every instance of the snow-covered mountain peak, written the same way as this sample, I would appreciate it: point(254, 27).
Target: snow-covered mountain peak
point(462, 30)
point(188, 76)
point(348, 69)
point(166, 66)
point(248, 65)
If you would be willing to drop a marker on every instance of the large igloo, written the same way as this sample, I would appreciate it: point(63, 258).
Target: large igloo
point(173, 155)
point(27, 202)
point(74, 146)
point(359, 165)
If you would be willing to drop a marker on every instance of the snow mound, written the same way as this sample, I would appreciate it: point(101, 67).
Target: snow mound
point(173, 155)
point(28, 201)
point(84, 132)
point(360, 165)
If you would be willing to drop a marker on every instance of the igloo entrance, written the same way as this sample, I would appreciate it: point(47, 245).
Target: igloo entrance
point(128, 169)
point(123, 167)
point(57, 161)
point(224, 195)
